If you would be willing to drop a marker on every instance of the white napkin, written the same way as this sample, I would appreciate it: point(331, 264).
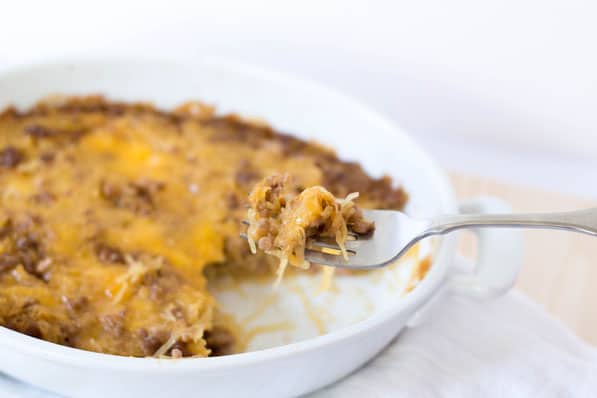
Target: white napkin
point(508, 347)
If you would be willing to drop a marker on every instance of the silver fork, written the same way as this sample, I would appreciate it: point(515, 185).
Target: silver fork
point(395, 233)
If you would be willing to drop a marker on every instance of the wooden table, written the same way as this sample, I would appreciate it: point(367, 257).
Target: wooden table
point(559, 268)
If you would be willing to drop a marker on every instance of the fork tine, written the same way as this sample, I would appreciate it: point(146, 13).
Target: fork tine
point(318, 253)
point(324, 245)
point(394, 233)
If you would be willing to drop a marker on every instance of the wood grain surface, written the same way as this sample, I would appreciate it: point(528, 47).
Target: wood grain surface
point(559, 268)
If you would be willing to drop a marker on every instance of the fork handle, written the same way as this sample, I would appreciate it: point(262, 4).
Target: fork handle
point(583, 221)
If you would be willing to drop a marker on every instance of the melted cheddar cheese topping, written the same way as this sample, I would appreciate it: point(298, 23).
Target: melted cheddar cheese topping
point(111, 212)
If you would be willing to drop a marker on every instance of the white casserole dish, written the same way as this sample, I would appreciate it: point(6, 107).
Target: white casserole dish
point(308, 111)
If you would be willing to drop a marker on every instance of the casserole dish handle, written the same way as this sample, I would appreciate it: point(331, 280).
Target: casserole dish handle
point(496, 267)
point(499, 255)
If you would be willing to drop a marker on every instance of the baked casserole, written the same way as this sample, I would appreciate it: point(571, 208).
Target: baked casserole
point(112, 213)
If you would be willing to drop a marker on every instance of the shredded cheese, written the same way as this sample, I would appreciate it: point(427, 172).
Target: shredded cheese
point(136, 270)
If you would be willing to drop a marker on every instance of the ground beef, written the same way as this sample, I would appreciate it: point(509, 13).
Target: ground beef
point(137, 196)
point(220, 341)
point(22, 247)
point(109, 254)
point(152, 339)
point(246, 175)
point(75, 305)
point(113, 323)
point(38, 131)
point(10, 157)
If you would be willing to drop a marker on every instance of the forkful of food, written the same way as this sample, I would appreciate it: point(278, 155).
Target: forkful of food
point(315, 227)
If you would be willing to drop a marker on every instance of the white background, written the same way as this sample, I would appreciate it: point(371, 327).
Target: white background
point(506, 89)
